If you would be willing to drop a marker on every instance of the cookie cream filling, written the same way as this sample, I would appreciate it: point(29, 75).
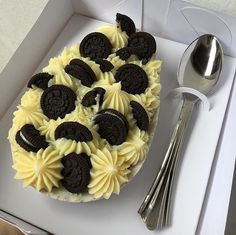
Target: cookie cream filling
point(25, 140)
point(116, 116)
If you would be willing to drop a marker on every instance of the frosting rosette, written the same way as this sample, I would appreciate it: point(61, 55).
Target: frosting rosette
point(29, 111)
point(106, 78)
point(149, 101)
point(117, 37)
point(115, 98)
point(55, 68)
point(68, 54)
point(108, 173)
point(82, 115)
point(40, 170)
point(48, 128)
point(31, 98)
point(135, 148)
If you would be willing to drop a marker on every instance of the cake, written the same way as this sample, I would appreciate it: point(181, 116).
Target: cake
point(83, 128)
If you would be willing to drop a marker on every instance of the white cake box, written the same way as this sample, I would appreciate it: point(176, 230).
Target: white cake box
point(174, 18)
point(58, 26)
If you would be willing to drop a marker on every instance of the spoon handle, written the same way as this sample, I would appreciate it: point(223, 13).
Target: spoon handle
point(155, 208)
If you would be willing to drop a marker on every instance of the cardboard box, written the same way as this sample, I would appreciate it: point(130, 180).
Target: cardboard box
point(174, 18)
point(45, 40)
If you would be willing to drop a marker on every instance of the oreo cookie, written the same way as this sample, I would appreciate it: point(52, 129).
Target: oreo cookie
point(90, 97)
point(133, 78)
point(112, 126)
point(80, 70)
point(40, 80)
point(76, 172)
point(144, 44)
point(29, 138)
point(95, 45)
point(140, 115)
point(73, 131)
point(57, 101)
point(125, 52)
point(126, 24)
point(105, 65)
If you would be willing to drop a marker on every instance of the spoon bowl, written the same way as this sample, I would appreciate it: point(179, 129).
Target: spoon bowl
point(201, 64)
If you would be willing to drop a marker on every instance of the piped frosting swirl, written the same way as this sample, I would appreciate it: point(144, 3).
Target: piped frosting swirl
point(108, 173)
point(115, 98)
point(117, 37)
point(40, 170)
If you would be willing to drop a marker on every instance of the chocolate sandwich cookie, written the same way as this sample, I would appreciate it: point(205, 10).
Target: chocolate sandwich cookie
point(125, 52)
point(126, 24)
point(90, 98)
point(105, 65)
point(95, 45)
point(144, 44)
point(140, 115)
point(57, 101)
point(80, 70)
point(29, 138)
point(133, 78)
point(73, 131)
point(112, 126)
point(40, 80)
point(76, 172)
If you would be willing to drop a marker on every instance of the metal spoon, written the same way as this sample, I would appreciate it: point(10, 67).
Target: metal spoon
point(200, 69)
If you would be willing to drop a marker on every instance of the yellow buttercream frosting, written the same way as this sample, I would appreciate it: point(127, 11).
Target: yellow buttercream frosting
point(48, 128)
point(153, 66)
point(108, 173)
point(152, 69)
point(111, 165)
point(57, 66)
point(28, 115)
point(31, 98)
point(60, 76)
point(134, 149)
point(94, 66)
point(66, 146)
point(40, 170)
point(116, 61)
point(149, 101)
point(115, 98)
point(106, 78)
point(68, 54)
point(82, 115)
point(117, 37)
point(30, 110)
